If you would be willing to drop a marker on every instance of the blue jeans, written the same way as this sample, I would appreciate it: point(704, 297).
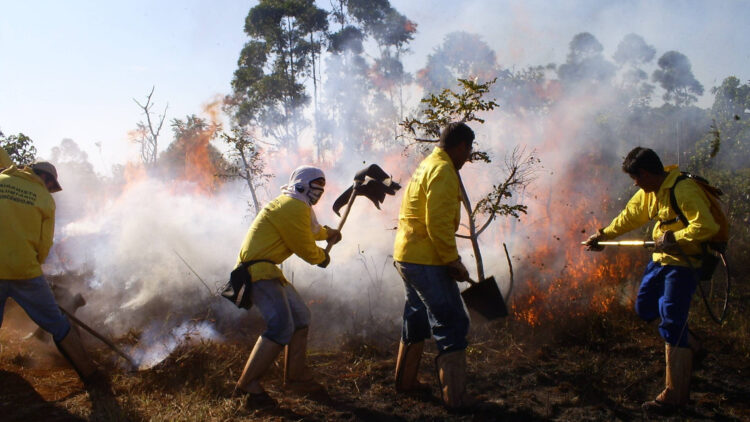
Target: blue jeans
point(35, 297)
point(666, 292)
point(433, 306)
point(282, 309)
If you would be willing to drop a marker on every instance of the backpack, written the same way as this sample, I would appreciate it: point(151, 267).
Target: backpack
point(717, 244)
point(238, 289)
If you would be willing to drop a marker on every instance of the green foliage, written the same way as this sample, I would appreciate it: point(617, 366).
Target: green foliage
point(449, 106)
point(675, 75)
point(19, 147)
point(267, 85)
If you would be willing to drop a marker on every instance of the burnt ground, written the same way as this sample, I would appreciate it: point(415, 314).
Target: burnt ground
point(600, 367)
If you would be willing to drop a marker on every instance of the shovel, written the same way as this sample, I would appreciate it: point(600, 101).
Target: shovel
point(485, 298)
point(371, 182)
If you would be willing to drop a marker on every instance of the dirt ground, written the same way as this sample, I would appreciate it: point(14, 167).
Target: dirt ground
point(596, 368)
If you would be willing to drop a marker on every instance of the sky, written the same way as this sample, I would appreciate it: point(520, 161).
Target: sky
point(73, 69)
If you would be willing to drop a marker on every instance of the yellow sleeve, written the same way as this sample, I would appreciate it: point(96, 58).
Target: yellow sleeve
point(633, 216)
point(48, 233)
point(695, 207)
point(322, 234)
point(440, 212)
point(294, 226)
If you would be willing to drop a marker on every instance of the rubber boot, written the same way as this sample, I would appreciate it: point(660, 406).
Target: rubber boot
point(407, 368)
point(261, 358)
point(297, 376)
point(677, 391)
point(72, 349)
point(451, 368)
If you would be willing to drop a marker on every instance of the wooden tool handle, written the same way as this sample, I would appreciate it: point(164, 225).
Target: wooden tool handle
point(346, 214)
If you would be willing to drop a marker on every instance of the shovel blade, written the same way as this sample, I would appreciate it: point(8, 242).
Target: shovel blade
point(485, 298)
point(374, 189)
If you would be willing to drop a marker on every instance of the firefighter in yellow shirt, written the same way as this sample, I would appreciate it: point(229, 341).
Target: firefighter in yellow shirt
point(670, 279)
point(27, 225)
point(287, 225)
point(427, 259)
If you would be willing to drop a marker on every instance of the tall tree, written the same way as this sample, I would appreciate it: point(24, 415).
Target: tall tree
point(268, 84)
point(462, 55)
point(585, 62)
point(631, 54)
point(675, 75)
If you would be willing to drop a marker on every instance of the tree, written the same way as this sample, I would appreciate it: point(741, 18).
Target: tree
point(246, 162)
point(675, 75)
point(520, 167)
point(585, 62)
point(19, 147)
point(462, 55)
point(268, 84)
point(632, 53)
point(364, 97)
point(145, 134)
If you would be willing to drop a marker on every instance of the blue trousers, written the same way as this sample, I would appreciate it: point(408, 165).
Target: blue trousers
point(666, 292)
point(35, 297)
point(282, 308)
point(433, 307)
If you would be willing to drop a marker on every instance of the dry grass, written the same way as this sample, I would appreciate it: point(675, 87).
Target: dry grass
point(597, 367)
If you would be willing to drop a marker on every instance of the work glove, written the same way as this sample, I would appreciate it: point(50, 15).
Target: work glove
point(666, 243)
point(334, 236)
point(457, 270)
point(326, 261)
point(592, 243)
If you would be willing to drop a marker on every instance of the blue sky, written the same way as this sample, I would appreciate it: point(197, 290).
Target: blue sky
point(70, 69)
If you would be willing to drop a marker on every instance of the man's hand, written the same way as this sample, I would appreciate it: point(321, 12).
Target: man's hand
point(326, 261)
point(457, 270)
point(334, 236)
point(666, 243)
point(592, 243)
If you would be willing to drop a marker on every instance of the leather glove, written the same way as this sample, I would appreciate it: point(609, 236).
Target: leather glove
point(334, 236)
point(592, 243)
point(326, 261)
point(457, 270)
point(666, 243)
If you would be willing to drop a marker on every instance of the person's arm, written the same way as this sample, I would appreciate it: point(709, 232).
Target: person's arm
point(441, 192)
point(634, 215)
point(47, 235)
point(695, 207)
point(296, 232)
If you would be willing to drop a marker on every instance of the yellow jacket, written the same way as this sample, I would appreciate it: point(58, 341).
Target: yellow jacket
point(644, 207)
point(283, 227)
point(27, 223)
point(430, 213)
point(5, 160)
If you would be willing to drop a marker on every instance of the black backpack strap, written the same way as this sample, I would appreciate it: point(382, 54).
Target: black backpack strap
point(673, 203)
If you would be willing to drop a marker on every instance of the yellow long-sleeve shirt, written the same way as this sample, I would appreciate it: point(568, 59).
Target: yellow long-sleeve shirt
point(430, 213)
point(27, 223)
point(643, 207)
point(282, 228)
